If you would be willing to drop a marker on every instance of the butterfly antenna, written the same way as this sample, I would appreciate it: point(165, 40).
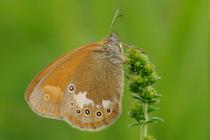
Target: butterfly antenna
point(117, 15)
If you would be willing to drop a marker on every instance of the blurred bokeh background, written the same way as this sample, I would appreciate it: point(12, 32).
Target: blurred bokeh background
point(173, 33)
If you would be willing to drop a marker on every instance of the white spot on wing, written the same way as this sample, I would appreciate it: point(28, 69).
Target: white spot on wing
point(106, 103)
point(82, 100)
point(98, 106)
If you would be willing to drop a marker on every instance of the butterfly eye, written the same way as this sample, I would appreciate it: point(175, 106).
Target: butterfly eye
point(78, 111)
point(108, 110)
point(71, 87)
point(98, 113)
point(87, 112)
point(46, 97)
point(71, 104)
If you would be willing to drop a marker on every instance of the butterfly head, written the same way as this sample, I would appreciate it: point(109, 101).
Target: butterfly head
point(113, 39)
point(112, 42)
point(112, 49)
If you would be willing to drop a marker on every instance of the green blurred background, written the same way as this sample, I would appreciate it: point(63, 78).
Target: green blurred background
point(173, 33)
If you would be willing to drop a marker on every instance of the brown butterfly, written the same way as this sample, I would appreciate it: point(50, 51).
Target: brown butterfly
point(83, 87)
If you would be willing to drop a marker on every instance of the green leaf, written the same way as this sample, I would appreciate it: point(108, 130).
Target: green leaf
point(136, 96)
point(152, 108)
point(154, 120)
point(134, 124)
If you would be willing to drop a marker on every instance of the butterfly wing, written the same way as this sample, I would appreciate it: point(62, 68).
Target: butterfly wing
point(46, 91)
point(94, 101)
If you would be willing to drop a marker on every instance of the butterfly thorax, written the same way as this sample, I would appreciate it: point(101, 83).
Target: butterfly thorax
point(112, 49)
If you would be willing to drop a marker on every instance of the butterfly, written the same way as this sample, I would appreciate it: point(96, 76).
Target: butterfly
point(83, 87)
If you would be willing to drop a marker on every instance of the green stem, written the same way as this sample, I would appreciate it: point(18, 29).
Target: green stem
point(141, 133)
point(146, 119)
point(143, 128)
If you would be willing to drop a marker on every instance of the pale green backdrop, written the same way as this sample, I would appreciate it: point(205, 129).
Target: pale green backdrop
point(173, 33)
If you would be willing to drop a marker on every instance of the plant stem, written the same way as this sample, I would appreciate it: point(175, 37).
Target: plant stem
point(141, 133)
point(143, 128)
point(146, 119)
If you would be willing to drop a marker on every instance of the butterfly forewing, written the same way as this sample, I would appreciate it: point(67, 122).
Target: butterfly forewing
point(45, 92)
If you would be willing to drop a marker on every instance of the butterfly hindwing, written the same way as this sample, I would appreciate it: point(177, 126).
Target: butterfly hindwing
point(95, 100)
